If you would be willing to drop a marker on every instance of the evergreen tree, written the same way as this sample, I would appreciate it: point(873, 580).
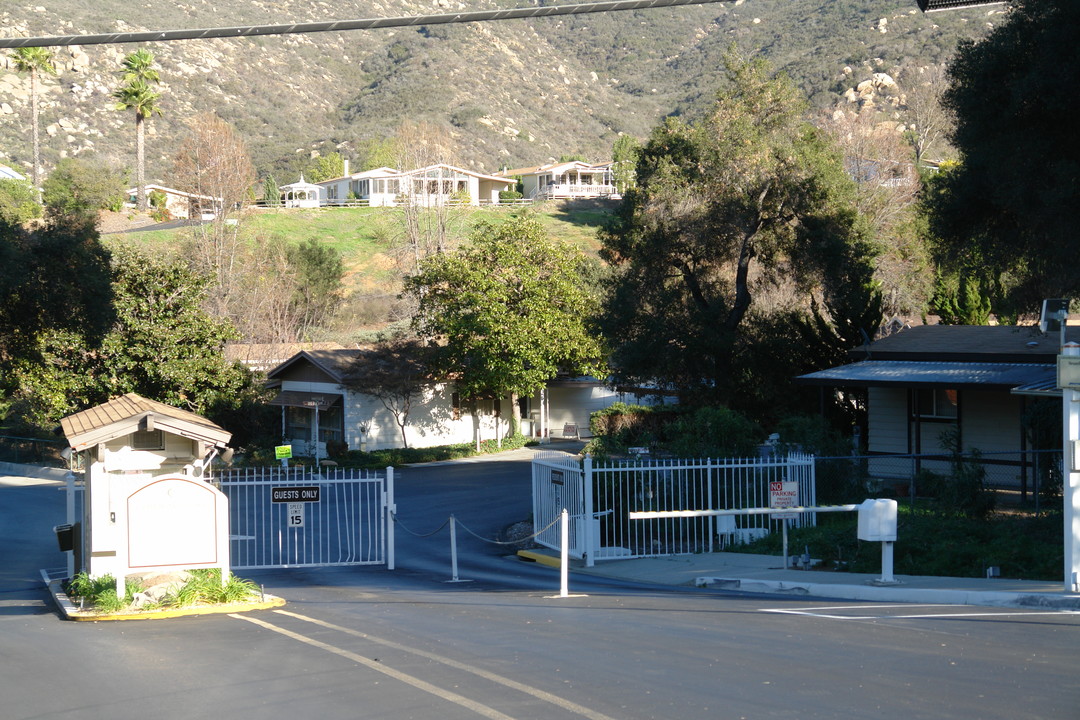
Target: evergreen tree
point(750, 201)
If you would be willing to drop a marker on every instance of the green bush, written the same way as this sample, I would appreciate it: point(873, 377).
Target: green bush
point(930, 541)
point(713, 432)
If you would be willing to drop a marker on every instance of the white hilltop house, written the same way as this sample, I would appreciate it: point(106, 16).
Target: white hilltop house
point(180, 204)
point(566, 180)
point(428, 186)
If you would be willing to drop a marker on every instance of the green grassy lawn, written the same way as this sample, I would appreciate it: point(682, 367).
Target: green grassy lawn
point(365, 237)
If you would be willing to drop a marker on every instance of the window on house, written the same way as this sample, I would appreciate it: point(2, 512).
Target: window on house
point(298, 423)
point(147, 440)
point(331, 425)
point(936, 404)
point(455, 405)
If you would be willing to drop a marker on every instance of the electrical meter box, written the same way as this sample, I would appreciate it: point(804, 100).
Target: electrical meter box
point(877, 520)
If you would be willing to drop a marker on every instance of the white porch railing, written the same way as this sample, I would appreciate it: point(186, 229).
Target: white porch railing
point(575, 190)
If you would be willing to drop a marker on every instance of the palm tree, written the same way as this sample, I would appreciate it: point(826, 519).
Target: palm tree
point(34, 60)
point(137, 94)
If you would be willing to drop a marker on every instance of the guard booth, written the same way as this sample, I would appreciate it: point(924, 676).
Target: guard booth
point(148, 501)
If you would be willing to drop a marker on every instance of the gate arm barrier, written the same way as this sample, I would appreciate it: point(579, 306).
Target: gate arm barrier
point(877, 522)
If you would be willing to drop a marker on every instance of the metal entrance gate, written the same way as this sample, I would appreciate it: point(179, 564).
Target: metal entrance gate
point(600, 497)
point(303, 517)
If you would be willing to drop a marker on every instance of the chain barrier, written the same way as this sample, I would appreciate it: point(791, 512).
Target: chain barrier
point(394, 518)
point(509, 542)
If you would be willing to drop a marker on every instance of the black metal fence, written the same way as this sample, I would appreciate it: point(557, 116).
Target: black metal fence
point(32, 451)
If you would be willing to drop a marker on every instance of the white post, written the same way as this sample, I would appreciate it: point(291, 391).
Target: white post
point(315, 432)
point(1071, 478)
point(592, 543)
point(71, 521)
point(564, 565)
point(887, 562)
point(391, 508)
point(453, 549)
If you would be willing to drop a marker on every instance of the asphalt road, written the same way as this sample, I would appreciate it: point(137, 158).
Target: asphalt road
point(371, 643)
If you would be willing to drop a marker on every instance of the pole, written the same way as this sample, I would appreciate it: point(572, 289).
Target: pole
point(453, 549)
point(391, 509)
point(1070, 412)
point(887, 562)
point(784, 525)
point(564, 565)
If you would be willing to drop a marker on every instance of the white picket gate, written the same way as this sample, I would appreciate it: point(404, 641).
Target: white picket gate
point(600, 497)
point(309, 517)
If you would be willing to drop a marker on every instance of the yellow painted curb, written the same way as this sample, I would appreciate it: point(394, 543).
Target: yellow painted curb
point(538, 557)
point(69, 612)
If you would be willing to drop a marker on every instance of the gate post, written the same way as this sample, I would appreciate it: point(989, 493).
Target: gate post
point(591, 543)
point(389, 510)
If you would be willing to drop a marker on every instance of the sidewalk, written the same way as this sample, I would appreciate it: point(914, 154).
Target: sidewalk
point(766, 574)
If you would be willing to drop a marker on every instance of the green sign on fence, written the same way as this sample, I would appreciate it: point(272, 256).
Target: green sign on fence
point(283, 452)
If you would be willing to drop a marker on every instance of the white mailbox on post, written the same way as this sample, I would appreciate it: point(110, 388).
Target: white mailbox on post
point(877, 523)
point(877, 520)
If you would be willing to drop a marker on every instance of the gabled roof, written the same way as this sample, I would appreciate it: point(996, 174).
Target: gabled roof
point(128, 413)
point(171, 191)
point(334, 363)
point(452, 168)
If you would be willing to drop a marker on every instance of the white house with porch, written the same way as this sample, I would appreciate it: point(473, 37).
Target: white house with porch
point(566, 180)
point(180, 204)
point(318, 409)
point(428, 186)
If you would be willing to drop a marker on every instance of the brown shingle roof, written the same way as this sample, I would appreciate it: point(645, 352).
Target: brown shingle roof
point(114, 418)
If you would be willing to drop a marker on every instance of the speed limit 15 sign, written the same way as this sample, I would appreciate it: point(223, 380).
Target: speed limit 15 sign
point(295, 514)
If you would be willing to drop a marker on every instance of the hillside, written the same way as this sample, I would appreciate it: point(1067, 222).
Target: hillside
point(513, 93)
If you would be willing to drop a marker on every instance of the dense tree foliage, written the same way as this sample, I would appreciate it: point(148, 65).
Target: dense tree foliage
point(18, 201)
point(509, 311)
point(78, 190)
point(1007, 211)
point(160, 344)
point(741, 256)
point(55, 279)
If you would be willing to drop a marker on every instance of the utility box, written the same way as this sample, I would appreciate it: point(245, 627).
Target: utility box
point(877, 520)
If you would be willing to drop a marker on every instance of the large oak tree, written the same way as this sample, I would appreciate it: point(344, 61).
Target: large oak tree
point(740, 257)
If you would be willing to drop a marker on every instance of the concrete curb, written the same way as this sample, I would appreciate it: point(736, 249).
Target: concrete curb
point(68, 611)
point(540, 557)
point(895, 593)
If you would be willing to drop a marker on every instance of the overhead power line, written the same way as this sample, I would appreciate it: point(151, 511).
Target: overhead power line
point(340, 25)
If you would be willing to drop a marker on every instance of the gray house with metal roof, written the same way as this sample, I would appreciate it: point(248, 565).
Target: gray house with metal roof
point(978, 380)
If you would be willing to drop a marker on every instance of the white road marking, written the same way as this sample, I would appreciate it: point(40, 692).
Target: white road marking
point(450, 662)
point(478, 708)
point(817, 612)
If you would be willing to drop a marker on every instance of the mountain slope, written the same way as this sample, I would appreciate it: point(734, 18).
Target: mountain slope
point(512, 93)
